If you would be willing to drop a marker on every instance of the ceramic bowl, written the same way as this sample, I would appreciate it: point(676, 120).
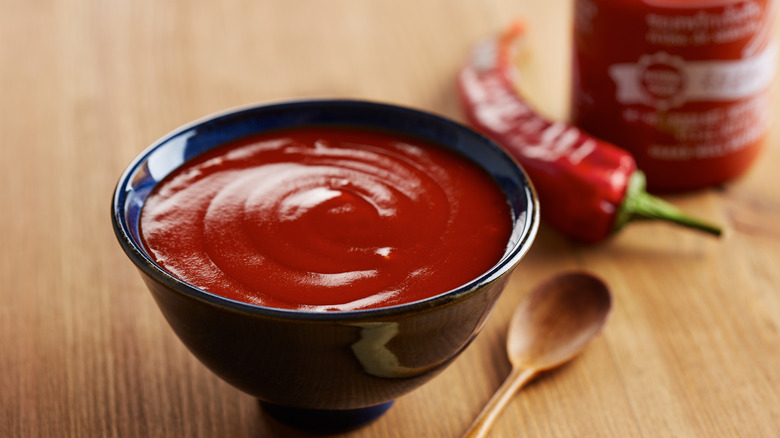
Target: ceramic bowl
point(323, 370)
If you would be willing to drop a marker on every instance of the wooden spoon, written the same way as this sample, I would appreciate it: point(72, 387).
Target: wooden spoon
point(549, 328)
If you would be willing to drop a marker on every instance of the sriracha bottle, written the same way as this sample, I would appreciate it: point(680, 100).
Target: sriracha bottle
point(681, 84)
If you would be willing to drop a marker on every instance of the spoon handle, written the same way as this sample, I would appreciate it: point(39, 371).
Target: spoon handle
point(517, 378)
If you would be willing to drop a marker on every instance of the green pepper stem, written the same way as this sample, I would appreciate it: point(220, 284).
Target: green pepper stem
point(638, 204)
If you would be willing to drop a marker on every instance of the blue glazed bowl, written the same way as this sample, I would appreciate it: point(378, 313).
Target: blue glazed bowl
point(330, 370)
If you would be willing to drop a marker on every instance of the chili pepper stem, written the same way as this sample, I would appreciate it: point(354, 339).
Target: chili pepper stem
point(638, 204)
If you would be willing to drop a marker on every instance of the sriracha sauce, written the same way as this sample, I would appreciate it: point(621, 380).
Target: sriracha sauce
point(325, 218)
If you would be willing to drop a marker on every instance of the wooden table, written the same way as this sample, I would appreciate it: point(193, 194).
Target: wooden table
point(692, 349)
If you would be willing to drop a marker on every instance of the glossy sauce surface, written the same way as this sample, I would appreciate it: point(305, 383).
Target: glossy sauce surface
point(325, 219)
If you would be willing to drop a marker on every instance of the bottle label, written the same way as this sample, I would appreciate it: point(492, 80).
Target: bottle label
point(666, 81)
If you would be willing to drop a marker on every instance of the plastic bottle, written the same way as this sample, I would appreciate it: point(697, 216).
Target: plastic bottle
point(684, 85)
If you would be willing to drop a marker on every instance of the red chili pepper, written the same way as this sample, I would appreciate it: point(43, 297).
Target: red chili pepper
point(587, 188)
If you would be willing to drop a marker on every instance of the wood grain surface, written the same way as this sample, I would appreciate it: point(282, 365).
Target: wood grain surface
point(693, 346)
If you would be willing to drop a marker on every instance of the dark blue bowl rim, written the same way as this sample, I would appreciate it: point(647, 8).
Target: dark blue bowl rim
point(142, 261)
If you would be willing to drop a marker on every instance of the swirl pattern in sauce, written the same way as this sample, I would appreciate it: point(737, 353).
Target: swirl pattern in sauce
point(323, 219)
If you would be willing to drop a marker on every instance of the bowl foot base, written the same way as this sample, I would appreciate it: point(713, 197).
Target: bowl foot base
point(325, 420)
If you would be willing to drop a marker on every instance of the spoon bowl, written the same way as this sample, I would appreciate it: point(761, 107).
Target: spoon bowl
point(557, 320)
point(549, 328)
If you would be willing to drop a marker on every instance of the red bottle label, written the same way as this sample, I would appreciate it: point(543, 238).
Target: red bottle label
point(683, 85)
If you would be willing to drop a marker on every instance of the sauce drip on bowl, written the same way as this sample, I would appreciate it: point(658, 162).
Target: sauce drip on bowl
point(324, 219)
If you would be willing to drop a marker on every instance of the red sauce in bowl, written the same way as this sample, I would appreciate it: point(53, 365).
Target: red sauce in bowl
point(324, 219)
